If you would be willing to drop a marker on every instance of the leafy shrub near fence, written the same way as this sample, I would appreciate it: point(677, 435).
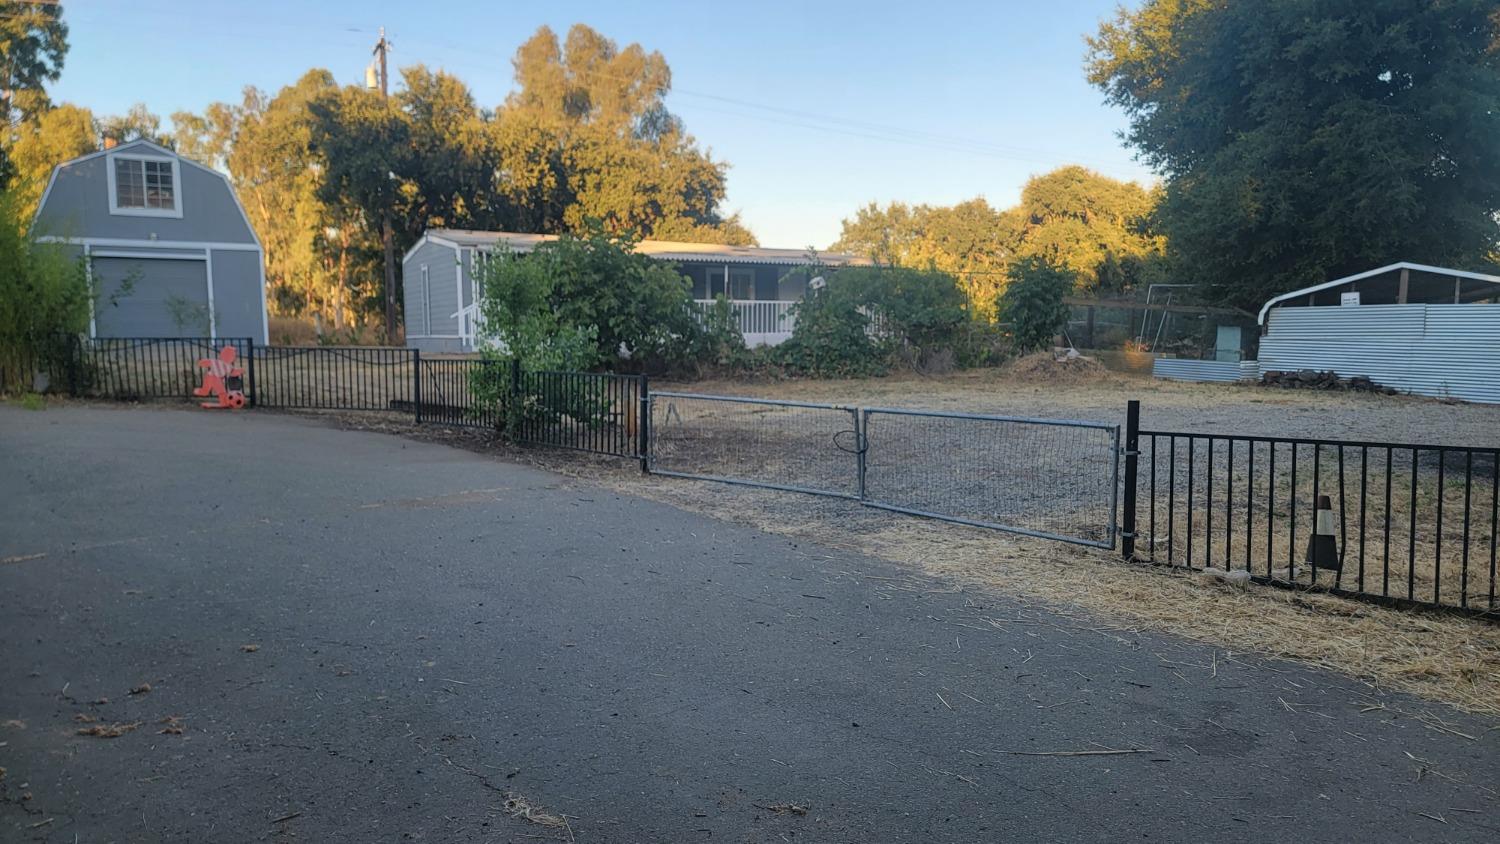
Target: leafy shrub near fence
point(44, 296)
point(1032, 302)
point(864, 320)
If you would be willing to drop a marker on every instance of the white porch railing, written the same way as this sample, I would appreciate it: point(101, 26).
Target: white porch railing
point(763, 322)
point(469, 319)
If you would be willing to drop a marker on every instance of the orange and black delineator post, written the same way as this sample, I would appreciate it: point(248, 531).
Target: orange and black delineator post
point(1322, 548)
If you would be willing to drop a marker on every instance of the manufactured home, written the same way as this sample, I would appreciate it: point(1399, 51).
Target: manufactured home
point(168, 247)
point(443, 287)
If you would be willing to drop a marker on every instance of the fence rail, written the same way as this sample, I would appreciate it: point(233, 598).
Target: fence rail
point(335, 377)
point(141, 368)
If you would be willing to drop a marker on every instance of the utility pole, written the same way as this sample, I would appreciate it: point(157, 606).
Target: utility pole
point(381, 48)
point(387, 234)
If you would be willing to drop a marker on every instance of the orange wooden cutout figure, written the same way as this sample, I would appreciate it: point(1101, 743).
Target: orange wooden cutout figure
point(220, 368)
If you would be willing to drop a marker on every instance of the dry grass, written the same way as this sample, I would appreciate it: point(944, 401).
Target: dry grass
point(108, 730)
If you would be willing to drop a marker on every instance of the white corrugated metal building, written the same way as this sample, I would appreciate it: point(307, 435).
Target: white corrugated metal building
point(1426, 330)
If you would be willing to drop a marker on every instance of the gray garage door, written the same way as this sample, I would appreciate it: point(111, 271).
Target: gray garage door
point(151, 297)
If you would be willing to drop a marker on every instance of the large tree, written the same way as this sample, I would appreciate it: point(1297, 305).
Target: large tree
point(43, 142)
point(363, 144)
point(968, 240)
point(33, 43)
point(593, 141)
point(1094, 226)
point(1305, 139)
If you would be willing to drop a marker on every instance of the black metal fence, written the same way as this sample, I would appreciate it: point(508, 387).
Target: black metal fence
point(335, 377)
point(597, 412)
point(125, 368)
point(461, 391)
point(1405, 524)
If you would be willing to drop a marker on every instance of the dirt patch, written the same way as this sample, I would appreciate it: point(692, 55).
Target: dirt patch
point(1054, 368)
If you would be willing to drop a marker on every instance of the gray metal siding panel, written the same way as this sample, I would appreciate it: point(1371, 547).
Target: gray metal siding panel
point(1175, 369)
point(237, 302)
point(442, 276)
point(78, 206)
point(165, 298)
point(1450, 351)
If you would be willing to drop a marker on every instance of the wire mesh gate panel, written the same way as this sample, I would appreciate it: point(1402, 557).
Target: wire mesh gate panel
point(1053, 479)
point(796, 446)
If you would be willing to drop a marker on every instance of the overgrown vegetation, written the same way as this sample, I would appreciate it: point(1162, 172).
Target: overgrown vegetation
point(44, 299)
point(864, 320)
point(1032, 302)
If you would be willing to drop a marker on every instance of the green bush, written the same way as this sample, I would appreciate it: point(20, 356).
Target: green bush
point(521, 327)
point(1032, 302)
point(831, 337)
point(44, 296)
point(641, 310)
point(865, 318)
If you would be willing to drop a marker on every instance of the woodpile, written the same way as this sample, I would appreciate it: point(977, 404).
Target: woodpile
point(1307, 379)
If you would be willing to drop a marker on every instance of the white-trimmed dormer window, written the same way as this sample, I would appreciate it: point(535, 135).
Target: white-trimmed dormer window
point(144, 185)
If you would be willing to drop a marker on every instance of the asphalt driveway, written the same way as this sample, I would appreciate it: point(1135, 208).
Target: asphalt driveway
point(338, 636)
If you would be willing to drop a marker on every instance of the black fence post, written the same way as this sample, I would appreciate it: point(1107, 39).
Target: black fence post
point(513, 397)
point(75, 364)
point(643, 428)
point(1132, 456)
point(416, 383)
point(250, 372)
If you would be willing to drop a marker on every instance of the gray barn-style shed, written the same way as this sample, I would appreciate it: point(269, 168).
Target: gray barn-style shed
point(169, 249)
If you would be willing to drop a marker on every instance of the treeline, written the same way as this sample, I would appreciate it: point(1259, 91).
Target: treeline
point(332, 175)
point(1097, 230)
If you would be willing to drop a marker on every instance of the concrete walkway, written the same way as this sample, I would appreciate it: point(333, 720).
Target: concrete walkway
point(365, 638)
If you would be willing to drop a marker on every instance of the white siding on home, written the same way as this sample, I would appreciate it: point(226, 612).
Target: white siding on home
point(1450, 351)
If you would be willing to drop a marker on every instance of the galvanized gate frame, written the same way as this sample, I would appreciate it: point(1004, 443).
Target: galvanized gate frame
point(854, 422)
point(1114, 479)
point(859, 422)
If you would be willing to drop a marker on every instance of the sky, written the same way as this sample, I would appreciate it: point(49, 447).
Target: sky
point(819, 108)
